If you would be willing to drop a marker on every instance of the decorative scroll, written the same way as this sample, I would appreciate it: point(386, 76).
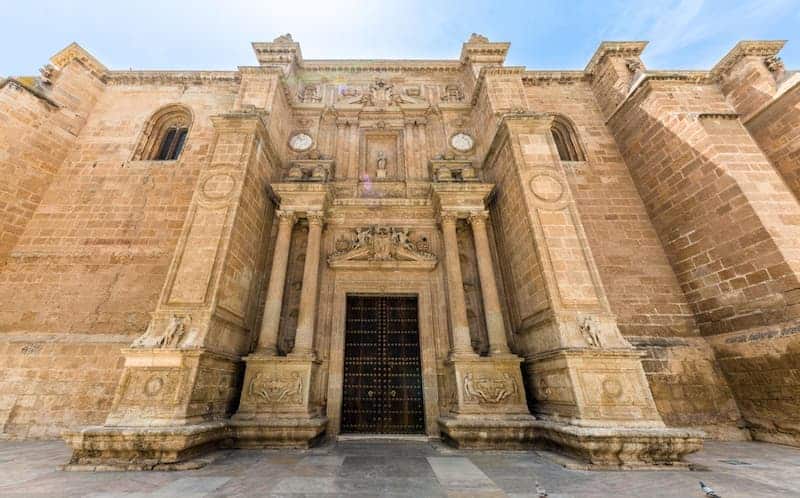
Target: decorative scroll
point(382, 244)
point(480, 388)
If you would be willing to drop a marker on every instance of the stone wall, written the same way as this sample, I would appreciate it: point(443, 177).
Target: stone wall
point(642, 290)
point(86, 272)
point(38, 126)
point(726, 220)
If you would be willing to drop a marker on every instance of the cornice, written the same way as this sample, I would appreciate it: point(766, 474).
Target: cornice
point(172, 77)
point(643, 86)
point(537, 78)
point(381, 65)
point(616, 48)
point(746, 48)
point(494, 71)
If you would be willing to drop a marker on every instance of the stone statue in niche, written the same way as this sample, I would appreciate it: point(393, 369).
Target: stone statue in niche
point(380, 171)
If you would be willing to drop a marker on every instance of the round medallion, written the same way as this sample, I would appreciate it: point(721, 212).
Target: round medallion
point(612, 388)
point(546, 188)
point(218, 186)
point(462, 142)
point(301, 142)
point(153, 386)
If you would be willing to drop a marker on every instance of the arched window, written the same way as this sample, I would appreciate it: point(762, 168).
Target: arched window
point(566, 141)
point(165, 134)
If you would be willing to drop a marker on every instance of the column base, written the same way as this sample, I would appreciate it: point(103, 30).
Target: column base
point(143, 448)
point(277, 405)
point(620, 447)
point(490, 410)
point(513, 432)
point(275, 432)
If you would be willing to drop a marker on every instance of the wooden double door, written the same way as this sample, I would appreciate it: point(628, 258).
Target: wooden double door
point(382, 376)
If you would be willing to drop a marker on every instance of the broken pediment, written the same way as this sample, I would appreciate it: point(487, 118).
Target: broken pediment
point(382, 247)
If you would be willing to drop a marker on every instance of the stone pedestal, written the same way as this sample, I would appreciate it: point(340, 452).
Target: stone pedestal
point(595, 405)
point(168, 408)
point(490, 410)
point(276, 408)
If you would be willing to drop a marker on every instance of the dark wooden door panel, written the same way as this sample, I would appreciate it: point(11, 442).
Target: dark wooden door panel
point(382, 374)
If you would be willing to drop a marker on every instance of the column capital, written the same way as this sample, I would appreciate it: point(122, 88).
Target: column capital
point(287, 216)
point(448, 217)
point(478, 217)
point(315, 217)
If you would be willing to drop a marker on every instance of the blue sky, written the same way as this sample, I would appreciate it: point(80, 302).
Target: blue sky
point(207, 34)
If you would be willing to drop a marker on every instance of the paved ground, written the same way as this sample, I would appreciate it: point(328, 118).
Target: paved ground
point(402, 468)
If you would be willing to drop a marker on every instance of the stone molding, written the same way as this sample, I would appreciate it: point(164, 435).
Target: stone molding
point(616, 49)
point(73, 51)
point(746, 48)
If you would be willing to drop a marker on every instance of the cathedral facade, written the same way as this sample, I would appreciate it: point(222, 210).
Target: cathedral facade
point(604, 261)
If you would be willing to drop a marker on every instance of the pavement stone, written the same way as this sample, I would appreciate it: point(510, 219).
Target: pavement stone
point(401, 468)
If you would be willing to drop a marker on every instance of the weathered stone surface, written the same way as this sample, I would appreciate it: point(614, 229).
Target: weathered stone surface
point(630, 236)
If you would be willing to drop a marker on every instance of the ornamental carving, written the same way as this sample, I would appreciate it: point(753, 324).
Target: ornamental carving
point(275, 388)
point(381, 244)
point(483, 389)
point(310, 94)
point(170, 337)
point(590, 331)
point(381, 94)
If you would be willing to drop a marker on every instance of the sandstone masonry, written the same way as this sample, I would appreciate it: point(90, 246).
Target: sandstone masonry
point(605, 261)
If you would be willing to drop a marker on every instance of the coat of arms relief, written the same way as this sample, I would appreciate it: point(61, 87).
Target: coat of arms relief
point(376, 244)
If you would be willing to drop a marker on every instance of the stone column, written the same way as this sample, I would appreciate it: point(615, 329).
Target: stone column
point(495, 325)
point(455, 289)
point(304, 337)
point(268, 337)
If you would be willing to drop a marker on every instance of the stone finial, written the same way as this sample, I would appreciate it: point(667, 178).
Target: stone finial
point(630, 50)
point(477, 38)
point(479, 51)
point(282, 52)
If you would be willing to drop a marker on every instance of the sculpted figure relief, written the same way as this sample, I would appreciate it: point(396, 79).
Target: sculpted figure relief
point(169, 338)
point(278, 389)
point(590, 332)
point(381, 94)
point(381, 244)
point(485, 389)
